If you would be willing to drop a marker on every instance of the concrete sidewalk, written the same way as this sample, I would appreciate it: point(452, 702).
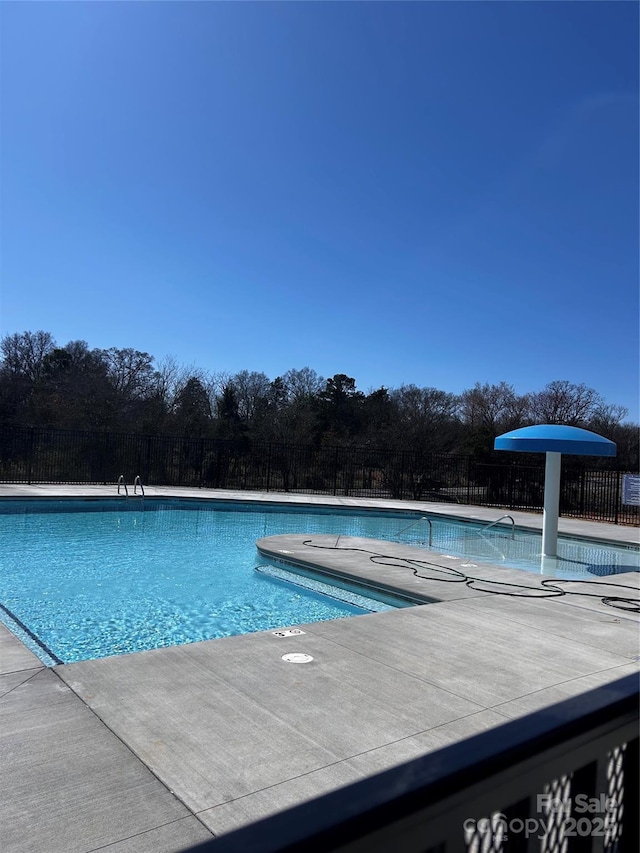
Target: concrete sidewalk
point(68, 782)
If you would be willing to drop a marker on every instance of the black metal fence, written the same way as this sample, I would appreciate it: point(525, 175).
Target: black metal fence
point(39, 455)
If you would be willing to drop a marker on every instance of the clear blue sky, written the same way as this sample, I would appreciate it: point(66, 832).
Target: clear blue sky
point(436, 193)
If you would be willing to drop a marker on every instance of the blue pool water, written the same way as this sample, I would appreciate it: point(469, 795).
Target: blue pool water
point(100, 581)
point(96, 578)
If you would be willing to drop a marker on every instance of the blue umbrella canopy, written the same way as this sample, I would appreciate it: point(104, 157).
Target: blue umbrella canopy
point(555, 438)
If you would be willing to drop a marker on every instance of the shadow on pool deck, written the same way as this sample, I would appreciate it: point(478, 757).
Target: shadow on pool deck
point(157, 751)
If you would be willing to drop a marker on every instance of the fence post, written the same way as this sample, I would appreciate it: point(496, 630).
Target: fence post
point(201, 465)
point(147, 461)
point(468, 480)
point(402, 475)
point(616, 497)
point(103, 441)
point(30, 464)
point(335, 472)
point(269, 466)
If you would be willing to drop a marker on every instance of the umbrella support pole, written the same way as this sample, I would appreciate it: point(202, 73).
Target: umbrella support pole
point(551, 504)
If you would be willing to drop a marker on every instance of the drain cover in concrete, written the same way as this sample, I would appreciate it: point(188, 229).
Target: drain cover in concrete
point(297, 657)
point(288, 632)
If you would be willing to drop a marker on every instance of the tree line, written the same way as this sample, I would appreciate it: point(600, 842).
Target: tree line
point(126, 390)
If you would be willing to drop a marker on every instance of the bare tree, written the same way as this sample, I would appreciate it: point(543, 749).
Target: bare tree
point(302, 384)
point(607, 418)
point(23, 354)
point(252, 393)
point(562, 402)
point(168, 377)
point(426, 417)
point(493, 408)
point(131, 371)
point(215, 383)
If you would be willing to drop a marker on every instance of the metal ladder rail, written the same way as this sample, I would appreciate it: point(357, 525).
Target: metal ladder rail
point(502, 517)
point(123, 482)
point(138, 482)
point(413, 524)
point(492, 545)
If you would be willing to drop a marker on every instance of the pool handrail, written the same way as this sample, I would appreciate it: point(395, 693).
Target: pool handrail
point(123, 482)
point(502, 517)
point(138, 482)
point(413, 523)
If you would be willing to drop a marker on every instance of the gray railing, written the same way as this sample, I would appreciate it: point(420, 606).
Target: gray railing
point(561, 780)
point(498, 520)
point(413, 524)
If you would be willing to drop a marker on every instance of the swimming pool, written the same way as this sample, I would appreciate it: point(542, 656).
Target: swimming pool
point(87, 579)
point(99, 577)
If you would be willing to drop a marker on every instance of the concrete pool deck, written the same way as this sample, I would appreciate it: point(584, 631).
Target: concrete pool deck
point(160, 750)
